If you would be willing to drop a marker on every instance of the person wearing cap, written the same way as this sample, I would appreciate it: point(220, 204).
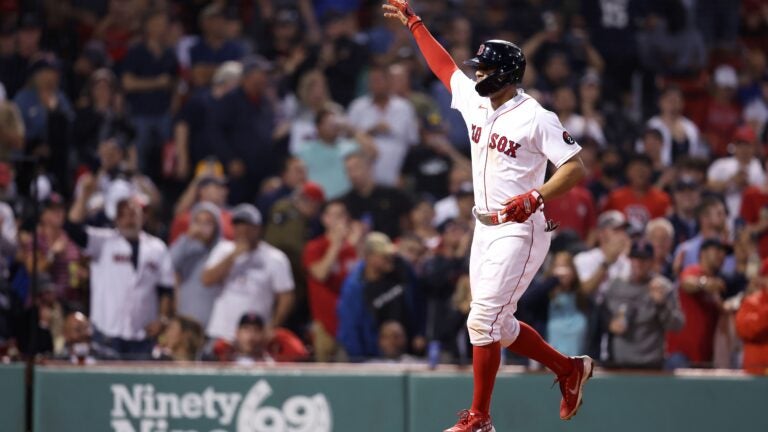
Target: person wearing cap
point(25, 36)
point(390, 120)
point(379, 289)
point(242, 130)
point(721, 114)
point(132, 278)
point(382, 208)
point(752, 324)
point(731, 175)
point(253, 276)
point(608, 260)
point(637, 312)
point(324, 156)
point(703, 286)
point(681, 136)
point(58, 255)
point(206, 188)
point(192, 125)
point(149, 76)
point(639, 200)
point(327, 260)
point(256, 343)
point(712, 218)
point(292, 222)
point(686, 198)
point(214, 46)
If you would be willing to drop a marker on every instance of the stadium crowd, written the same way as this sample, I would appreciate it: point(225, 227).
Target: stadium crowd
point(284, 180)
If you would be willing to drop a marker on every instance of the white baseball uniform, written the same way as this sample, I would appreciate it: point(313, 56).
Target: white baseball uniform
point(510, 149)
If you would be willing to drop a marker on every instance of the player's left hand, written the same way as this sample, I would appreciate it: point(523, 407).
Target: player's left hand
point(519, 208)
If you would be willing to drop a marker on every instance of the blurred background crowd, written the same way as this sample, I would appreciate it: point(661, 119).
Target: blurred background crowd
point(284, 180)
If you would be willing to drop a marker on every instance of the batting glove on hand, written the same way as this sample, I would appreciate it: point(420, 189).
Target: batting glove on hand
point(519, 208)
point(402, 10)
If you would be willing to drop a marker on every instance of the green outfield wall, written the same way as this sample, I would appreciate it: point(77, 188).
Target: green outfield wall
point(311, 400)
point(12, 397)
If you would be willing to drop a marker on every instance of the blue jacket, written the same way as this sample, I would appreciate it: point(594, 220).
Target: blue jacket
point(358, 330)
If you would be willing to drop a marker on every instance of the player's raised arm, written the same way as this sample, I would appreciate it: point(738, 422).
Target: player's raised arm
point(439, 61)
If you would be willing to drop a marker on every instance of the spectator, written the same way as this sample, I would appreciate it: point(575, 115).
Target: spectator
point(192, 129)
point(459, 204)
point(393, 344)
point(608, 260)
point(182, 340)
point(11, 129)
point(8, 239)
point(243, 127)
point(424, 106)
point(564, 104)
point(379, 289)
point(214, 46)
point(118, 28)
point(57, 255)
point(324, 156)
point(712, 218)
point(421, 217)
point(607, 175)
point(131, 276)
point(660, 234)
point(313, 99)
point(203, 189)
point(292, 222)
point(25, 43)
point(292, 175)
point(752, 326)
point(652, 143)
point(575, 211)
point(149, 74)
point(254, 277)
point(100, 115)
point(79, 346)
point(681, 136)
point(686, 198)
point(327, 260)
point(639, 311)
point(556, 305)
point(189, 255)
point(39, 323)
point(756, 111)
point(254, 343)
point(722, 113)
point(381, 208)
point(730, 176)
point(640, 201)
point(439, 278)
point(390, 120)
point(342, 55)
point(701, 287)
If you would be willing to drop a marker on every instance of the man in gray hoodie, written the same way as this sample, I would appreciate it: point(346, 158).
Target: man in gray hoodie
point(189, 254)
point(638, 312)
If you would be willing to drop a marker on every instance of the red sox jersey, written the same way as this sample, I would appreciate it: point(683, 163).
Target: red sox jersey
point(510, 145)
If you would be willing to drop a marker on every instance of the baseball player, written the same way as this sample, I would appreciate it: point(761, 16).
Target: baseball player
point(512, 138)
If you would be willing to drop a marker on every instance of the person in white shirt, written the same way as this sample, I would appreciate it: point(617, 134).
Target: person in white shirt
point(132, 276)
point(254, 277)
point(681, 137)
point(390, 120)
point(730, 175)
point(608, 260)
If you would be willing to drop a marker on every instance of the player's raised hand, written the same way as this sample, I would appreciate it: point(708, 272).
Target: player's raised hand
point(401, 10)
point(519, 208)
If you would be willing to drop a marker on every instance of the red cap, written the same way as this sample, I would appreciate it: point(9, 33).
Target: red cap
point(745, 134)
point(313, 191)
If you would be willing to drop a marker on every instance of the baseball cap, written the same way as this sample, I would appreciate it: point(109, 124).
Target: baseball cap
point(612, 219)
point(744, 134)
point(641, 249)
point(246, 213)
point(251, 318)
point(228, 71)
point(725, 76)
point(713, 242)
point(256, 63)
point(465, 188)
point(379, 243)
point(313, 191)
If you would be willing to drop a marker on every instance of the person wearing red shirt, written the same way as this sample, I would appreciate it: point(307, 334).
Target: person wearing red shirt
point(574, 211)
point(327, 261)
point(207, 188)
point(754, 212)
point(700, 289)
point(722, 112)
point(752, 326)
point(639, 200)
